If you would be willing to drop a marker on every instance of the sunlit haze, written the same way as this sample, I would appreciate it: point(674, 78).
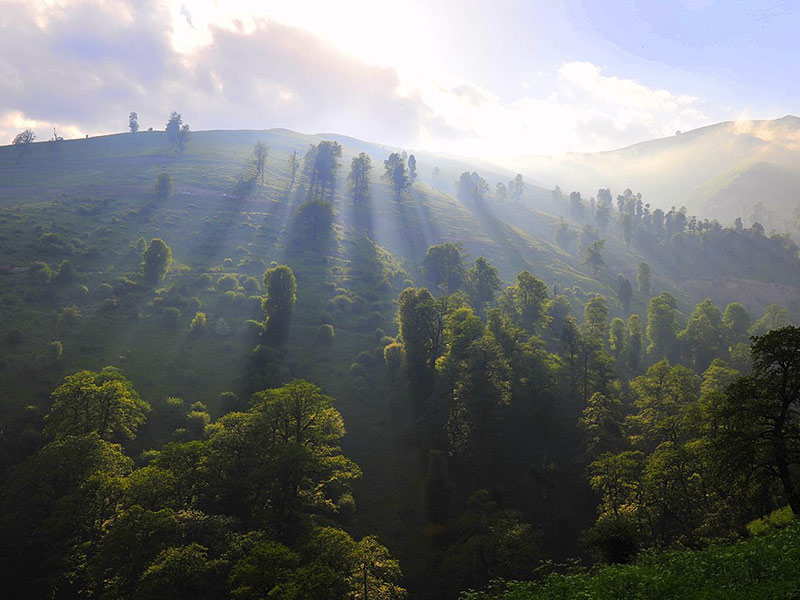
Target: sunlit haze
point(495, 80)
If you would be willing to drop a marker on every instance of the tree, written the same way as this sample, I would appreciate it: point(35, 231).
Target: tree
point(635, 341)
point(471, 188)
point(376, 574)
point(643, 278)
point(421, 319)
point(173, 128)
point(525, 301)
point(483, 283)
point(412, 169)
point(516, 188)
point(595, 315)
point(278, 304)
point(736, 321)
point(156, 260)
point(500, 193)
point(444, 266)
point(163, 186)
point(627, 229)
point(321, 163)
point(592, 256)
point(662, 326)
point(360, 168)
point(624, 292)
point(22, 142)
point(396, 174)
point(260, 153)
point(617, 337)
point(133, 122)
point(756, 425)
point(294, 163)
point(775, 317)
point(104, 403)
point(182, 138)
point(702, 338)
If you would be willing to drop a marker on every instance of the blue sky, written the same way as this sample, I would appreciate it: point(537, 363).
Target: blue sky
point(493, 79)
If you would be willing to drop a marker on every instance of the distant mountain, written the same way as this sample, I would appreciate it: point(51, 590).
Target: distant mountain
point(736, 168)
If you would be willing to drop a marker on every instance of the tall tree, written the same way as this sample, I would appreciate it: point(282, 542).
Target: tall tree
point(757, 421)
point(163, 186)
point(412, 169)
point(662, 326)
point(593, 256)
point(321, 163)
point(156, 260)
point(133, 122)
point(444, 266)
point(278, 304)
point(294, 163)
point(624, 292)
point(396, 174)
point(525, 302)
point(182, 138)
point(173, 128)
point(643, 279)
point(421, 321)
point(260, 153)
point(483, 283)
point(360, 168)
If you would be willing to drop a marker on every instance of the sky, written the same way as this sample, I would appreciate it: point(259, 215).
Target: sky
point(492, 79)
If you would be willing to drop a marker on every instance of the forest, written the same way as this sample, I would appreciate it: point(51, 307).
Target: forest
point(263, 364)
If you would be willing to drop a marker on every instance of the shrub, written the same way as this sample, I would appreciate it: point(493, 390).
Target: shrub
point(227, 283)
point(198, 323)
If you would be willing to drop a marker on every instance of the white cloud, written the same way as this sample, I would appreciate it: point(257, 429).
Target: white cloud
point(83, 65)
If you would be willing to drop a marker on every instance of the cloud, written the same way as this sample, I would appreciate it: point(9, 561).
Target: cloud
point(87, 66)
point(83, 65)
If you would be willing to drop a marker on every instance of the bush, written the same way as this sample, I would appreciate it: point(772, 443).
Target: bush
point(325, 333)
point(198, 323)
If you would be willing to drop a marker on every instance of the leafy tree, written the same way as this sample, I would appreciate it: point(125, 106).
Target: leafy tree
point(576, 208)
point(500, 193)
point(278, 304)
point(643, 279)
point(264, 571)
point(702, 337)
point(260, 154)
point(163, 186)
point(635, 341)
point(601, 423)
point(444, 266)
point(181, 573)
point(565, 236)
point(22, 142)
point(525, 301)
point(156, 260)
point(736, 322)
point(624, 292)
point(412, 169)
point(662, 326)
point(627, 229)
point(483, 283)
point(376, 574)
point(104, 403)
point(595, 315)
point(133, 122)
point(396, 174)
point(471, 188)
point(173, 128)
point(182, 138)
point(775, 317)
point(321, 163)
point(617, 338)
point(421, 319)
point(757, 421)
point(360, 168)
point(53, 510)
point(593, 257)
